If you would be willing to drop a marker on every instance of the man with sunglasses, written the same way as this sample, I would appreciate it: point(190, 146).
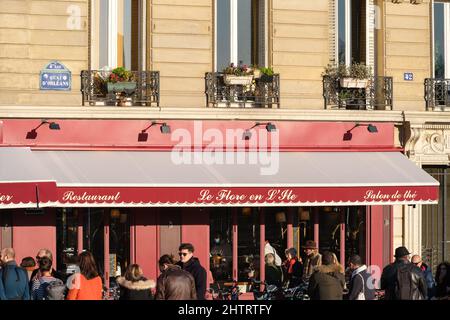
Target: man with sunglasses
point(192, 265)
point(36, 274)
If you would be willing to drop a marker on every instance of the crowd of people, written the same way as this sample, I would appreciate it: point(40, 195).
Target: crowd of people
point(404, 279)
point(36, 279)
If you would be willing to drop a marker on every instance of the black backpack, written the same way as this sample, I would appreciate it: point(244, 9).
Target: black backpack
point(403, 283)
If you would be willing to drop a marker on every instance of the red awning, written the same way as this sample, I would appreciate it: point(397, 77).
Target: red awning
point(145, 179)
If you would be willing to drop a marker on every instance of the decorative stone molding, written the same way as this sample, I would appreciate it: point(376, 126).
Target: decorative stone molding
point(429, 144)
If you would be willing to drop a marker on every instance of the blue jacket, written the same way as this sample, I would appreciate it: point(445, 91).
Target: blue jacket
point(14, 283)
point(427, 273)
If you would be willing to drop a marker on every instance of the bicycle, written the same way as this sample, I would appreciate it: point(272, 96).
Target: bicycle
point(231, 293)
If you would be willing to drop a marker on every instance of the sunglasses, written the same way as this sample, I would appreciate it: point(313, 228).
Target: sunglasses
point(184, 254)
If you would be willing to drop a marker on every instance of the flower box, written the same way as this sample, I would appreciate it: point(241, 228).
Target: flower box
point(230, 79)
point(354, 83)
point(125, 86)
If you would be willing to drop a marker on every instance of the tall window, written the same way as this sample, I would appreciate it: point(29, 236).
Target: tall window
point(436, 221)
point(441, 40)
point(352, 31)
point(116, 33)
point(239, 32)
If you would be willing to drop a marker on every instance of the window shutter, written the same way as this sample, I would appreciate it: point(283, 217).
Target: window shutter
point(370, 33)
point(262, 32)
point(332, 22)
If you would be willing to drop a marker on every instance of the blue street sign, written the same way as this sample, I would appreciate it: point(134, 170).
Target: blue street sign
point(55, 76)
point(408, 76)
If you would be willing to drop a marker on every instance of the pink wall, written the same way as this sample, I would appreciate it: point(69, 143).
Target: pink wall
point(33, 232)
point(375, 244)
point(146, 245)
point(195, 229)
point(92, 134)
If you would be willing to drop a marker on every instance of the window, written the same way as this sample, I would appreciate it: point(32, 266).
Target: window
point(436, 221)
point(441, 26)
point(67, 237)
point(117, 33)
point(352, 27)
point(239, 32)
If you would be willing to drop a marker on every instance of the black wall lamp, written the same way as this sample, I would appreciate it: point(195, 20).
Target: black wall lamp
point(164, 128)
point(32, 134)
point(370, 127)
point(270, 127)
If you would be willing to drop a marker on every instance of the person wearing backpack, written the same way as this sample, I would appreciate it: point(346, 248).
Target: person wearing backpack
point(13, 279)
point(402, 280)
point(47, 287)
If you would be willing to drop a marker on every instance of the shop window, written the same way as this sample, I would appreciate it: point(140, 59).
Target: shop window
point(441, 32)
point(221, 244)
point(436, 221)
point(248, 244)
point(352, 31)
point(93, 235)
point(119, 241)
point(116, 33)
point(329, 221)
point(240, 26)
point(66, 237)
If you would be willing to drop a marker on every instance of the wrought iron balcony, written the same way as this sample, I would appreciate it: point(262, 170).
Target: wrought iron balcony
point(437, 94)
point(144, 92)
point(377, 95)
point(263, 92)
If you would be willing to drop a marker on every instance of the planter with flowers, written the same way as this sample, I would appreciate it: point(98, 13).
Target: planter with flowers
point(121, 80)
point(238, 75)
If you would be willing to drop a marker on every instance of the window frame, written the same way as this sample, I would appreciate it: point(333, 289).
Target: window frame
point(446, 39)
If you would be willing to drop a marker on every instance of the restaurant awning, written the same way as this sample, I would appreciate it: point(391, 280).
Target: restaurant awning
point(150, 178)
point(24, 182)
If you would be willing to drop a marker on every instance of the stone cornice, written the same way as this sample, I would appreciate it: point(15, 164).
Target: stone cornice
point(70, 112)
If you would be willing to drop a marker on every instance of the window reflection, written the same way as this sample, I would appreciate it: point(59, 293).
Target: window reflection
point(221, 240)
point(66, 237)
point(248, 244)
point(439, 41)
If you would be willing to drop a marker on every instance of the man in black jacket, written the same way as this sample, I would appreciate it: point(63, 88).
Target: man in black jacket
point(192, 265)
point(360, 286)
point(402, 280)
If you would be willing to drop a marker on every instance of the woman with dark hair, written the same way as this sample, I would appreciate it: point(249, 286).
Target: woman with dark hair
point(29, 265)
point(41, 283)
point(134, 286)
point(87, 284)
point(443, 280)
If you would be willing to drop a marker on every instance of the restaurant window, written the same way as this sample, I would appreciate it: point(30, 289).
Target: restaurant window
point(441, 32)
point(351, 31)
point(248, 244)
point(330, 220)
point(117, 34)
point(93, 235)
point(66, 238)
point(436, 221)
point(240, 32)
point(119, 241)
point(221, 244)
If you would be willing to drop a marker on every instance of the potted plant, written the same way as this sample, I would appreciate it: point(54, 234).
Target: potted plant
point(358, 76)
point(266, 74)
point(121, 81)
point(238, 75)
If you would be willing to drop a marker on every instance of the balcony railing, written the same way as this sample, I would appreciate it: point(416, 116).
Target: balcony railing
point(94, 89)
point(262, 93)
point(378, 95)
point(437, 94)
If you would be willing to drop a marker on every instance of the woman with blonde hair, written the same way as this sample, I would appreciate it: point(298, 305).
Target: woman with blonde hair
point(134, 286)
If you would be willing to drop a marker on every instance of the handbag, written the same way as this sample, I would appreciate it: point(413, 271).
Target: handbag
point(361, 295)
